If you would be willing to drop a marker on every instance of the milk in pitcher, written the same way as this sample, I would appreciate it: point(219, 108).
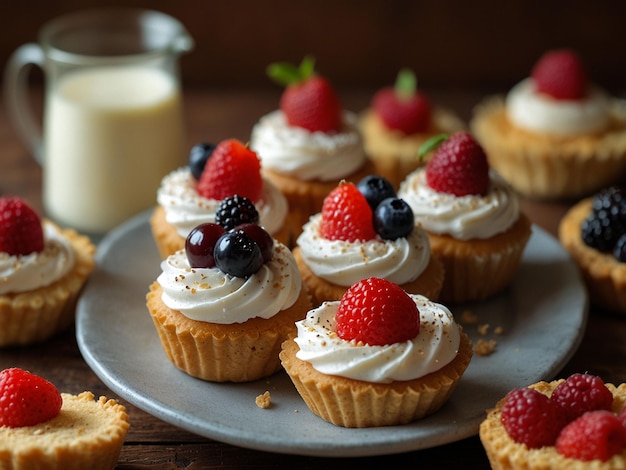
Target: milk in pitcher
point(113, 132)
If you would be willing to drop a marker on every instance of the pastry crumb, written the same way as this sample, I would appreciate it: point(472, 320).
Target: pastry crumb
point(469, 317)
point(498, 330)
point(485, 348)
point(264, 401)
point(483, 329)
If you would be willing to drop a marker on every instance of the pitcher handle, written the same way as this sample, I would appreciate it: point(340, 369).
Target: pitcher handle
point(16, 95)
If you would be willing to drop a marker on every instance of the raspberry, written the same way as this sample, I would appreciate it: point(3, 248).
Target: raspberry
point(346, 215)
point(236, 210)
point(26, 399)
point(580, 393)
point(402, 107)
point(594, 435)
point(21, 232)
point(459, 166)
point(560, 74)
point(531, 418)
point(309, 100)
point(232, 169)
point(377, 312)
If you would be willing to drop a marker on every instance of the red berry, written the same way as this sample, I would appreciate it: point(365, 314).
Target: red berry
point(531, 418)
point(346, 215)
point(459, 166)
point(26, 399)
point(402, 107)
point(560, 74)
point(21, 232)
point(377, 312)
point(309, 100)
point(581, 393)
point(232, 169)
point(594, 435)
point(200, 245)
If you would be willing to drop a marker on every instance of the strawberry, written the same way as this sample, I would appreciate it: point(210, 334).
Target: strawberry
point(402, 107)
point(309, 100)
point(21, 232)
point(26, 399)
point(377, 312)
point(346, 215)
point(459, 166)
point(232, 169)
point(596, 435)
point(560, 74)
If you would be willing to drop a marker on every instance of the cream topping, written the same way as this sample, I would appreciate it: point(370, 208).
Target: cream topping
point(210, 295)
point(344, 263)
point(185, 209)
point(463, 218)
point(535, 111)
point(435, 346)
point(35, 270)
point(306, 155)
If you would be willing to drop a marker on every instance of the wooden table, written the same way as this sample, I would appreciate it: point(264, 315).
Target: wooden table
point(212, 116)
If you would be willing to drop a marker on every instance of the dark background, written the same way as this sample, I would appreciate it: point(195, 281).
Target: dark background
point(450, 44)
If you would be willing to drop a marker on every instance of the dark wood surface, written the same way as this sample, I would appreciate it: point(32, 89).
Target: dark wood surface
point(151, 443)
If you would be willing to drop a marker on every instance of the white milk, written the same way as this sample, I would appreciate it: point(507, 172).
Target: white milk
point(111, 134)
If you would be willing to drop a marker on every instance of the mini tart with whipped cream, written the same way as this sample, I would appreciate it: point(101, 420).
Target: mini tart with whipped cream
point(330, 259)
point(505, 453)
point(39, 289)
point(87, 433)
point(218, 322)
point(549, 147)
point(189, 196)
point(603, 273)
point(309, 144)
point(472, 218)
point(376, 376)
point(396, 124)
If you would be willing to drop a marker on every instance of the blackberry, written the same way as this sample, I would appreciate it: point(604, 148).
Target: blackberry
point(598, 232)
point(375, 189)
point(236, 210)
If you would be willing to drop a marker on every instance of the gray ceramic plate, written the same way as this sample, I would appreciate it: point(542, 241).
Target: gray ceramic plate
point(543, 315)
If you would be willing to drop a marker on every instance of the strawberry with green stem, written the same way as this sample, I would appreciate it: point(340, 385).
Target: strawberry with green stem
point(309, 100)
point(402, 107)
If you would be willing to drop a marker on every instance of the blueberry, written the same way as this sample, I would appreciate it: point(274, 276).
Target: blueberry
point(375, 189)
point(393, 218)
point(261, 238)
point(236, 210)
point(198, 156)
point(237, 254)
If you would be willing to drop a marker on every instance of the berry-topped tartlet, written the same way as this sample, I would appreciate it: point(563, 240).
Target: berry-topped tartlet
point(377, 357)
point(365, 230)
point(399, 120)
point(190, 195)
point(43, 271)
point(593, 231)
point(44, 429)
point(310, 143)
point(573, 423)
point(472, 218)
point(223, 305)
point(556, 134)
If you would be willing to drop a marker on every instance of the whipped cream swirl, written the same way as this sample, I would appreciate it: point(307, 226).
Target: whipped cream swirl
point(210, 295)
point(465, 217)
point(305, 155)
point(35, 270)
point(529, 109)
point(344, 263)
point(185, 209)
point(435, 346)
